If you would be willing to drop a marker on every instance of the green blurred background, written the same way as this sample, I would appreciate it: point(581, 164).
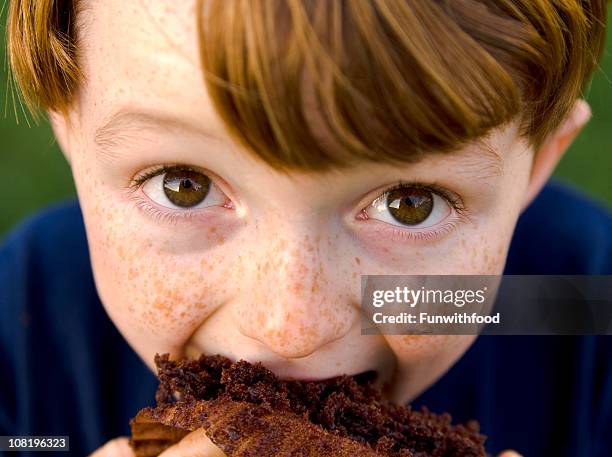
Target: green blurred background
point(34, 172)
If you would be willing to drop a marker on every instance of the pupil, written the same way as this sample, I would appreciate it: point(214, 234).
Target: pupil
point(410, 206)
point(413, 201)
point(186, 188)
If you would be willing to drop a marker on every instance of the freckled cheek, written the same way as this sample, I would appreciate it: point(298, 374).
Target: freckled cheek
point(147, 291)
point(413, 347)
point(476, 248)
point(482, 255)
point(419, 350)
point(481, 249)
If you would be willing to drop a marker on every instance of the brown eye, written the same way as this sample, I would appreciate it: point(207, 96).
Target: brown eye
point(185, 188)
point(410, 205)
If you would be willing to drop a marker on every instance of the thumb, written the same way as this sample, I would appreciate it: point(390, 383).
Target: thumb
point(119, 447)
point(195, 444)
point(509, 453)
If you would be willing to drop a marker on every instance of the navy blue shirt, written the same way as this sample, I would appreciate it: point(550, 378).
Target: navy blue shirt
point(66, 370)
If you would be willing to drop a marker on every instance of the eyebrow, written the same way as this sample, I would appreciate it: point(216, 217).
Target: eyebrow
point(124, 125)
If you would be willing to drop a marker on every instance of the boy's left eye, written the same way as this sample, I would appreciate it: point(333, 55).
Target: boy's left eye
point(182, 188)
point(409, 206)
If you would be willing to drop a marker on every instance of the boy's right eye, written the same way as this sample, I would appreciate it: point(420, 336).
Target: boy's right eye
point(180, 187)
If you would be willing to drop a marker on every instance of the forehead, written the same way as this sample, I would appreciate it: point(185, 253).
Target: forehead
point(142, 54)
point(142, 57)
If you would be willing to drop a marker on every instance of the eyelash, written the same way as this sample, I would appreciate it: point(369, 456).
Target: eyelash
point(139, 180)
point(452, 199)
point(168, 216)
point(397, 233)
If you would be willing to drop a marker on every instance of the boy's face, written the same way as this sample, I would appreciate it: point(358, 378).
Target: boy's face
point(258, 265)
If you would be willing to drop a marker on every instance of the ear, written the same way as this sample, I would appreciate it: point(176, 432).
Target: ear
point(61, 129)
point(553, 148)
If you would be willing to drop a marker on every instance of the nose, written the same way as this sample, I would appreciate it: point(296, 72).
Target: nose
point(298, 302)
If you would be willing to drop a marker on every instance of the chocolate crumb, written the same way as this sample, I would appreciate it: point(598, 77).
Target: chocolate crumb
point(349, 407)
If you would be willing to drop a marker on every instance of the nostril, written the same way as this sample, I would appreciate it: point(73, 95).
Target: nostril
point(284, 340)
point(294, 342)
point(295, 327)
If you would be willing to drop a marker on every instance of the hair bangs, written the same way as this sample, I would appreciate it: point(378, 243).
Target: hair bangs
point(320, 84)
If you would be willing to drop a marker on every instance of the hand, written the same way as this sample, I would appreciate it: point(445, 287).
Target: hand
point(509, 453)
point(119, 447)
point(195, 444)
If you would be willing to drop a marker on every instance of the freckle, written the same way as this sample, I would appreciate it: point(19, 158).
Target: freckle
point(357, 261)
point(298, 287)
point(221, 240)
point(260, 318)
point(407, 339)
point(212, 230)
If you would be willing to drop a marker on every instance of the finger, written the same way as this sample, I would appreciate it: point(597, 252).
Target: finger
point(196, 444)
point(509, 453)
point(119, 447)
